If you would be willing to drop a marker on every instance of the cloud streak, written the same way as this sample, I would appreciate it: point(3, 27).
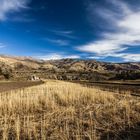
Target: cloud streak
point(126, 34)
point(129, 57)
point(59, 42)
point(10, 6)
point(2, 45)
point(64, 33)
point(55, 56)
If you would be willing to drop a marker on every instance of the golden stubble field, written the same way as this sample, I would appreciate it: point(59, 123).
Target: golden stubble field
point(60, 110)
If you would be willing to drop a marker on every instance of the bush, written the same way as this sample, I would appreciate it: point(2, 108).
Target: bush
point(6, 71)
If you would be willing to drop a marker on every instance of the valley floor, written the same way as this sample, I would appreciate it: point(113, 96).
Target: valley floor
point(58, 110)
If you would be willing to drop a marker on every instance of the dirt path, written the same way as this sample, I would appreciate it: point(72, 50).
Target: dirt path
point(6, 86)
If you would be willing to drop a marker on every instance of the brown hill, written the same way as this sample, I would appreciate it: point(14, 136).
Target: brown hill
point(67, 69)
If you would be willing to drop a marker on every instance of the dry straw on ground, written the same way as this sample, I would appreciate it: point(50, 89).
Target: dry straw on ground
point(66, 111)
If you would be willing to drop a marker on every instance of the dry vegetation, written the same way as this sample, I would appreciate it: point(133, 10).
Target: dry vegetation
point(66, 111)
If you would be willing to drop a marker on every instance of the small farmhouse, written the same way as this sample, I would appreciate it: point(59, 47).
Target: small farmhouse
point(34, 78)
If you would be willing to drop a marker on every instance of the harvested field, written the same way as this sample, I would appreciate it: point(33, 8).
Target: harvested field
point(59, 110)
point(132, 87)
point(6, 86)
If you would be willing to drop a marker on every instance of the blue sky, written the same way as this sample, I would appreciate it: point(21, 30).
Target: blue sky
point(105, 30)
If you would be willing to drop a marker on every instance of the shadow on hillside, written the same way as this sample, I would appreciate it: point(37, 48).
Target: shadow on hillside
point(128, 134)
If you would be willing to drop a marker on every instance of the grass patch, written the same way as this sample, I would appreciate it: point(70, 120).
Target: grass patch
point(67, 111)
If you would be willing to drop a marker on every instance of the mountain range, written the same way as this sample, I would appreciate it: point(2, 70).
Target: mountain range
point(12, 67)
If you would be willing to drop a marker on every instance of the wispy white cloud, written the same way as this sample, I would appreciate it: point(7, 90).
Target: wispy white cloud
point(10, 6)
point(55, 56)
point(126, 25)
point(59, 42)
point(2, 45)
point(94, 57)
point(50, 57)
point(133, 57)
point(64, 33)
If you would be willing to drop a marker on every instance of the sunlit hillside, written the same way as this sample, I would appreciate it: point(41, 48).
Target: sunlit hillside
point(20, 68)
point(60, 110)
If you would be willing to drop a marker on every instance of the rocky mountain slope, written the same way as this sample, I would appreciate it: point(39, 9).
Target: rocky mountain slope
point(66, 69)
